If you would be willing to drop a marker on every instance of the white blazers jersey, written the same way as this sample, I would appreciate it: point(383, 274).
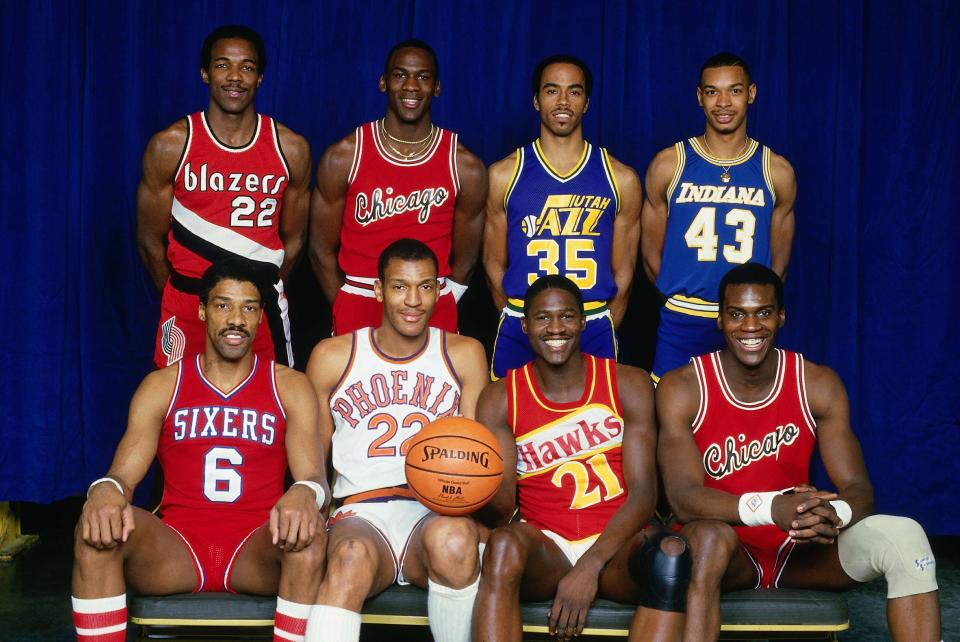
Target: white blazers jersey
point(380, 403)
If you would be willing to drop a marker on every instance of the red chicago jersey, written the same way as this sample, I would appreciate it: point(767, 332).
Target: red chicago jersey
point(569, 462)
point(223, 453)
point(759, 446)
point(389, 198)
point(227, 200)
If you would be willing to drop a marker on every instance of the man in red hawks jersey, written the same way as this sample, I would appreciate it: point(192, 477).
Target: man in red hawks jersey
point(225, 425)
point(222, 183)
point(738, 429)
point(397, 177)
point(578, 439)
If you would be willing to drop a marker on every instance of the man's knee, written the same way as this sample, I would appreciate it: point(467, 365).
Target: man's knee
point(351, 560)
point(661, 568)
point(712, 545)
point(451, 546)
point(504, 558)
point(87, 556)
point(895, 547)
point(311, 558)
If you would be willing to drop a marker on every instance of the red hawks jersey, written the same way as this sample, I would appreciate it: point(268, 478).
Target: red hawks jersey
point(569, 462)
point(760, 446)
point(389, 199)
point(223, 450)
point(227, 200)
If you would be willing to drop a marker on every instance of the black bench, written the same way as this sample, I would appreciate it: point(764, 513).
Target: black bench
point(784, 613)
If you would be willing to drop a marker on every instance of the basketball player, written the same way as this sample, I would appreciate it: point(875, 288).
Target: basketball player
point(397, 177)
point(382, 385)
point(222, 183)
point(713, 201)
point(225, 425)
point(740, 425)
point(578, 438)
point(561, 206)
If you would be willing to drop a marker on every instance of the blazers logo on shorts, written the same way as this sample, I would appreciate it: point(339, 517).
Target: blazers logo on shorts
point(172, 341)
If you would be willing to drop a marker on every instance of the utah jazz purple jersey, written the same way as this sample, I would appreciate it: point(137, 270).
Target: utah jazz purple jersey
point(718, 216)
point(561, 224)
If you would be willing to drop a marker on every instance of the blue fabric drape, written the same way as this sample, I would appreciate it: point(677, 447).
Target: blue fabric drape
point(861, 97)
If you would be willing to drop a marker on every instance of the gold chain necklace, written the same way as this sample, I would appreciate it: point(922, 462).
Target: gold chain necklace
point(725, 175)
point(423, 143)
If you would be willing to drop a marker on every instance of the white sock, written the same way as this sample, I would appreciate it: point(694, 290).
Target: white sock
point(332, 624)
point(450, 611)
point(290, 620)
point(102, 619)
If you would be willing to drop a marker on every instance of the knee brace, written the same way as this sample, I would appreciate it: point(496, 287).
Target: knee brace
point(662, 577)
point(895, 547)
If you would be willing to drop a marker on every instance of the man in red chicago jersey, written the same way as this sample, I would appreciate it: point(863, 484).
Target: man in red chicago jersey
point(225, 425)
point(397, 177)
point(578, 439)
point(221, 183)
point(738, 428)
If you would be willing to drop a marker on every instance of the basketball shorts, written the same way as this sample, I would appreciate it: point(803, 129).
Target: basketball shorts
point(769, 549)
point(214, 539)
point(681, 337)
point(511, 349)
point(357, 307)
point(181, 332)
point(572, 550)
point(394, 520)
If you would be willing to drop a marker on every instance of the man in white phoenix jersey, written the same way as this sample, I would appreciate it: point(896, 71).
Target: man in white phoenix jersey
point(382, 385)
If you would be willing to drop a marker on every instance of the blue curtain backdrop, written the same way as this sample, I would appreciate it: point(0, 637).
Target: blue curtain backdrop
point(861, 97)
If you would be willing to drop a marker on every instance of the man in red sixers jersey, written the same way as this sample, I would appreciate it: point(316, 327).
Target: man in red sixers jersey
point(738, 428)
point(397, 177)
point(221, 183)
point(578, 437)
point(225, 425)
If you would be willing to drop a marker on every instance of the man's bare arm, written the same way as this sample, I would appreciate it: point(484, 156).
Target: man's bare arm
point(468, 215)
point(155, 198)
point(326, 366)
point(470, 363)
point(326, 214)
point(492, 413)
point(782, 222)
point(293, 215)
point(626, 237)
point(653, 217)
point(495, 229)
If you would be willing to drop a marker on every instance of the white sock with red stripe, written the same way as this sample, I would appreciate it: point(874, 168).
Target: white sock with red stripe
point(290, 622)
point(100, 620)
point(332, 624)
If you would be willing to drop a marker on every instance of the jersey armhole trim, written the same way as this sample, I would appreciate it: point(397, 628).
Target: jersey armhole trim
point(276, 393)
point(453, 164)
point(357, 153)
point(613, 386)
point(517, 167)
point(447, 360)
point(768, 174)
point(611, 177)
point(704, 399)
point(185, 150)
point(176, 390)
point(275, 132)
point(512, 399)
point(354, 345)
point(677, 173)
point(802, 390)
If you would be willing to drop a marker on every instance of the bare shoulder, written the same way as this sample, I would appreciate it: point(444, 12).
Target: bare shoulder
point(823, 384)
point(492, 404)
point(167, 144)
point(467, 160)
point(626, 176)
point(664, 163)
point(678, 389)
point(328, 360)
point(157, 388)
point(634, 387)
point(338, 157)
point(465, 350)
point(294, 146)
point(501, 171)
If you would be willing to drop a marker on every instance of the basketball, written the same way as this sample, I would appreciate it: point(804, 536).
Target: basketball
point(454, 466)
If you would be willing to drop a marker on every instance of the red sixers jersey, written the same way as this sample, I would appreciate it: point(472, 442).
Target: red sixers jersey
point(759, 446)
point(221, 452)
point(389, 199)
point(569, 462)
point(227, 200)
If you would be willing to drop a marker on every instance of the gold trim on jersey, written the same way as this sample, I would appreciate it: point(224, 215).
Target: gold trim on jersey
point(768, 174)
point(514, 178)
point(693, 306)
point(611, 177)
point(724, 162)
point(677, 172)
point(545, 403)
point(578, 457)
point(542, 157)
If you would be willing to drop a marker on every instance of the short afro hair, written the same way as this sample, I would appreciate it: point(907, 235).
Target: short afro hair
point(557, 59)
point(242, 32)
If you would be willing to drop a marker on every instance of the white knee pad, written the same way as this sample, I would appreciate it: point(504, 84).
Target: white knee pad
point(895, 547)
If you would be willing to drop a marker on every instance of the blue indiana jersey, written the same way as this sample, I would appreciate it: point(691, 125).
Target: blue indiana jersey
point(713, 225)
point(561, 224)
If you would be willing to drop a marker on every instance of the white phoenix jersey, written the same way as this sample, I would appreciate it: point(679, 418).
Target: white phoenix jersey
point(380, 403)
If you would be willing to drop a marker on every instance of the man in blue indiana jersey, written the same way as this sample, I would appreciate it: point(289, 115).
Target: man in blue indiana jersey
point(713, 201)
point(560, 205)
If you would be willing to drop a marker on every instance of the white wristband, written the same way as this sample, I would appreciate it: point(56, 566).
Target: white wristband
point(317, 489)
point(843, 510)
point(105, 479)
point(458, 289)
point(754, 508)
